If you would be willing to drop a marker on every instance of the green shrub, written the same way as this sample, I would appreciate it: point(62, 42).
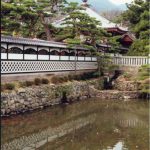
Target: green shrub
point(37, 81)
point(143, 72)
point(96, 74)
point(22, 84)
point(10, 86)
point(144, 87)
point(65, 78)
point(70, 77)
point(112, 68)
point(62, 79)
point(139, 48)
point(55, 80)
point(58, 79)
point(77, 77)
point(101, 84)
point(85, 76)
point(45, 81)
point(127, 75)
point(28, 83)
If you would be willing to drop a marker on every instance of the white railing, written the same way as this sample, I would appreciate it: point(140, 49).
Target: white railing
point(131, 60)
point(12, 56)
point(118, 60)
point(30, 56)
point(43, 57)
point(3, 55)
point(94, 58)
point(81, 58)
point(54, 57)
point(72, 57)
point(64, 57)
point(15, 56)
point(87, 58)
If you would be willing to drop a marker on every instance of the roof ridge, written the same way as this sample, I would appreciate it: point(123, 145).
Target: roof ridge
point(130, 35)
point(27, 39)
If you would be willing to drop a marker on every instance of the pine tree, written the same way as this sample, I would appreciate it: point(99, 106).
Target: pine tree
point(80, 23)
point(9, 17)
point(138, 17)
point(26, 17)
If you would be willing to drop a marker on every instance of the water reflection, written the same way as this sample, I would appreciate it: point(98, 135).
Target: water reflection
point(39, 139)
point(86, 125)
point(119, 146)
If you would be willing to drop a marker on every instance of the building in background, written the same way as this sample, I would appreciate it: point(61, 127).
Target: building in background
point(115, 29)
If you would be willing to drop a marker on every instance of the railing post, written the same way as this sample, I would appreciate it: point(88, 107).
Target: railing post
point(120, 60)
point(133, 61)
point(75, 61)
point(23, 52)
point(7, 51)
point(124, 63)
point(37, 52)
point(129, 61)
point(142, 61)
point(49, 53)
point(137, 61)
point(60, 54)
point(69, 54)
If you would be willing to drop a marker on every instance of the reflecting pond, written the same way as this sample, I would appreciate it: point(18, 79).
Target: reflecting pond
point(92, 124)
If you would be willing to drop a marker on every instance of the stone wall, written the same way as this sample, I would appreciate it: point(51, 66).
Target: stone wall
point(36, 97)
point(115, 94)
point(122, 84)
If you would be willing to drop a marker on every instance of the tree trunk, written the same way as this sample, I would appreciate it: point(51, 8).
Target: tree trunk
point(48, 33)
point(46, 28)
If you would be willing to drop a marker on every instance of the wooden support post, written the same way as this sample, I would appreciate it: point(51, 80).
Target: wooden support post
point(23, 52)
point(7, 51)
point(49, 53)
point(76, 53)
point(76, 61)
point(59, 54)
point(69, 54)
point(37, 52)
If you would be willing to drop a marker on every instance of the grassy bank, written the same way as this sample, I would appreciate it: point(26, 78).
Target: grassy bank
point(142, 78)
point(8, 87)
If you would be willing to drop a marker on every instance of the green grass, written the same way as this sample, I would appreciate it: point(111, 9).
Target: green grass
point(143, 75)
point(10, 86)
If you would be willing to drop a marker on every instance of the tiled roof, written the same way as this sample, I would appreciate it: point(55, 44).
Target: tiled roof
point(20, 40)
point(35, 42)
point(104, 45)
point(104, 22)
point(131, 36)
